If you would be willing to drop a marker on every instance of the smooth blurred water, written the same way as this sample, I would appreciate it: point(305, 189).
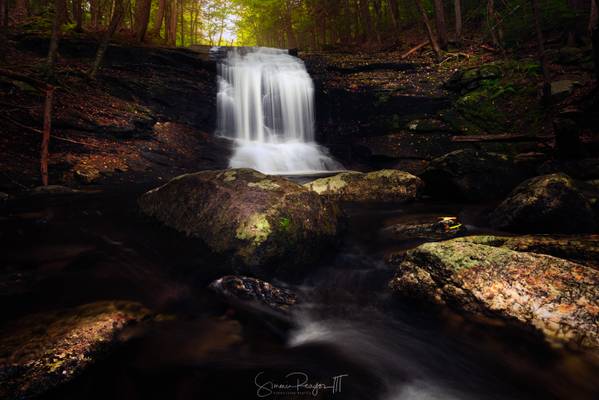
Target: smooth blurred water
point(265, 102)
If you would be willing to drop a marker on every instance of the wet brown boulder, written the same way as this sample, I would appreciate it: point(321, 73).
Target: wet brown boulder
point(387, 185)
point(259, 219)
point(39, 352)
point(473, 175)
point(545, 204)
point(556, 298)
point(243, 289)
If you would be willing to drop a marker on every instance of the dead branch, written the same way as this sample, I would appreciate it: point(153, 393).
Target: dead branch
point(414, 49)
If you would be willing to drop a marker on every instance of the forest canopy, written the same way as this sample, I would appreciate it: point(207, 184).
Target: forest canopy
point(307, 24)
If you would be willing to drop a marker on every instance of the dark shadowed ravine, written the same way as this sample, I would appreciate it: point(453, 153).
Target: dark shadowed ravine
point(88, 247)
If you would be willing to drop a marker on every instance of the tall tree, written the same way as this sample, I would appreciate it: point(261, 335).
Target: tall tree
point(4, 13)
point(458, 20)
point(96, 13)
point(53, 48)
point(429, 29)
point(493, 24)
point(595, 40)
point(142, 18)
point(78, 14)
point(441, 25)
point(171, 23)
point(542, 55)
point(117, 17)
point(160, 14)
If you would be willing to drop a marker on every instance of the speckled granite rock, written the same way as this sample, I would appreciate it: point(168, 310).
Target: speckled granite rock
point(558, 298)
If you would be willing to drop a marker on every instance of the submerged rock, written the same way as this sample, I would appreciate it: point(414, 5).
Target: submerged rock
point(387, 185)
point(243, 289)
point(437, 229)
point(555, 297)
point(41, 351)
point(583, 249)
point(545, 204)
point(260, 219)
point(473, 175)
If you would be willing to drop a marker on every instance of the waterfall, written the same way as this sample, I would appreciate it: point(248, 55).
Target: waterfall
point(265, 103)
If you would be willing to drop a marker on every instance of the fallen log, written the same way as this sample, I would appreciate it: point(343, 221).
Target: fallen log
point(503, 137)
point(414, 49)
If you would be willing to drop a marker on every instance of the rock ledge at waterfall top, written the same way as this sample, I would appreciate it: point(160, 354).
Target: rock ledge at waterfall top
point(259, 219)
point(387, 185)
point(551, 296)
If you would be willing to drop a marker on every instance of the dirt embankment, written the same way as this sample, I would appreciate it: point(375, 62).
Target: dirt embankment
point(149, 115)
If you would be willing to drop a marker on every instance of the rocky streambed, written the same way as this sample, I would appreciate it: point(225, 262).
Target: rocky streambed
point(220, 281)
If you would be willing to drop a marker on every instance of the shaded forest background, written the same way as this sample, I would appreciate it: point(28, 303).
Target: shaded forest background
point(307, 24)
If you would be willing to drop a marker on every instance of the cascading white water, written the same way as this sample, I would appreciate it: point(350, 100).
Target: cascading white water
point(265, 102)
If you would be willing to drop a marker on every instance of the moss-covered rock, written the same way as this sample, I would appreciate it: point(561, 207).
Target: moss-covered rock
point(545, 204)
point(260, 219)
point(583, 249)
point(473, 175)
point(387, 185)
point(551, 296)
point(41, 351)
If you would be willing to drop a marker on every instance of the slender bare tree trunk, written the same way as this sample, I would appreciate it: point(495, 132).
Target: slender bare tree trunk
point(117, 16)
point(53, 49)
point(60, 8)
point(171, 23)
point(182, 23)
point(46, 134)
point(159, 18)
point(78, 15)
point(492, 23)
point(595, 41)
point(542, 55)
point(458, 21)
point(429, 29)
point(594, 16)
point(142, 17)
point(4, 13)
point(367, 30)
point(441, 25)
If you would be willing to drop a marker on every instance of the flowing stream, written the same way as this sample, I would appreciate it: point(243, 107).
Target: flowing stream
point(265, 103)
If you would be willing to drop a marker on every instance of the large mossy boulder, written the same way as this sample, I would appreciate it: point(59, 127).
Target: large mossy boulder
point(41, 351)
point(583, 249)
point(545, 204)
point(259, 219)
point(472, 175)
point(384, 186)
point(548, 295)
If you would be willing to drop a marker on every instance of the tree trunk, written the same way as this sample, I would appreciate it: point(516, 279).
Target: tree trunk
point(53, 49)
point(440, 22)
point(117, 16)
point(595, 40)
point(60, 9)
point(182, 23)
point(159, 18)
point(492, 23)
point(20, 11)
point(4, 13)
point(395, 17)
point(94, 8)
point(594, 16)
point(542, 56)
point(458, 21)
point(142, 17)
point(366, 21)
point(78, 15)
point(171, 23)
point(46, 134)
point(291, 39)
point(429, 29)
